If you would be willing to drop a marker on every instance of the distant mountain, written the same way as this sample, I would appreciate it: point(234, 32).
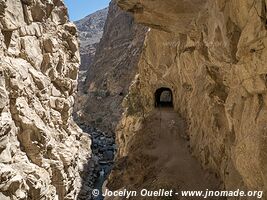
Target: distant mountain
point(90, 32)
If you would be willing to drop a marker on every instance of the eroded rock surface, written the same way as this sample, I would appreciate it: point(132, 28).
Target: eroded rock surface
point(113, 69)
point(90, 31)
point(212, 55)
point(42, 151)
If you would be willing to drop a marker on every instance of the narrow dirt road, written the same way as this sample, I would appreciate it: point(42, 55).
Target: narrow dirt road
point(171, 150)
point(159, 158)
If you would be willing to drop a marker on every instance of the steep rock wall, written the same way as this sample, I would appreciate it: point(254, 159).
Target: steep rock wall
point(212, 55)
point(42, 151)
point(114, 67)
point(90, 30)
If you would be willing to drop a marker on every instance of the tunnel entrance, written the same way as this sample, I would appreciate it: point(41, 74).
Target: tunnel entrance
point(163, 97)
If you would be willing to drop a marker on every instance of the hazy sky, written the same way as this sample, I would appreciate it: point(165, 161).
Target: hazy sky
point(81, 8)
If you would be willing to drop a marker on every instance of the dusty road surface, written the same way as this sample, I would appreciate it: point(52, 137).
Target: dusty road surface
point(159, 157)
point(171, 150)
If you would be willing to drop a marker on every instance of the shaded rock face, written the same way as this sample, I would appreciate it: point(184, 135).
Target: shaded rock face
point(42, 151)
point(113, 69)
point(212, 55)
point(90, 31)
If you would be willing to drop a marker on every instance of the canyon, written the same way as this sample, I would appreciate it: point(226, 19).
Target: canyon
point(110, 75)
point(90, 31)
point(180, 86)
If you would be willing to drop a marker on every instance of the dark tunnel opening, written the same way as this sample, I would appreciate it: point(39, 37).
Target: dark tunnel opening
point(163, 97)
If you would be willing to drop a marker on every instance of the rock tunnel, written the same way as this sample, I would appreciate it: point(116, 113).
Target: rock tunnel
point(163, 97)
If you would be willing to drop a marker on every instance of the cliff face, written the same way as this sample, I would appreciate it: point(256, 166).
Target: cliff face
point(113, 69)
point(90, 31)
point(212, 55)
point(42, 151)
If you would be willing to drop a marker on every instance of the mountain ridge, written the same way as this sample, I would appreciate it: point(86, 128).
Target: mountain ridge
point(90, 30)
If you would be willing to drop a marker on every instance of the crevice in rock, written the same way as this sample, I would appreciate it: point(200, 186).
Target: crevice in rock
point(7, 37)
point(157, 26)
point(219, 89)
point(203, 48)
point(25, 4)
point(2, 8)
point(233, 33)
point(262, 13)
point(137, 8)
point(261, 104)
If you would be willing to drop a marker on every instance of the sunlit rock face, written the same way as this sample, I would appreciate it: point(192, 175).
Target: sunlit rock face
point(90, 30)
point(42, 151)
point(165, 14)
point(212, 54)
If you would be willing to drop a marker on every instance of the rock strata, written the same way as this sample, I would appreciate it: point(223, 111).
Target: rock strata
point(42, 151)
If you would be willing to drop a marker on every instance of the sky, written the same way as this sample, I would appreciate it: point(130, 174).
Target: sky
point(78, 9)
